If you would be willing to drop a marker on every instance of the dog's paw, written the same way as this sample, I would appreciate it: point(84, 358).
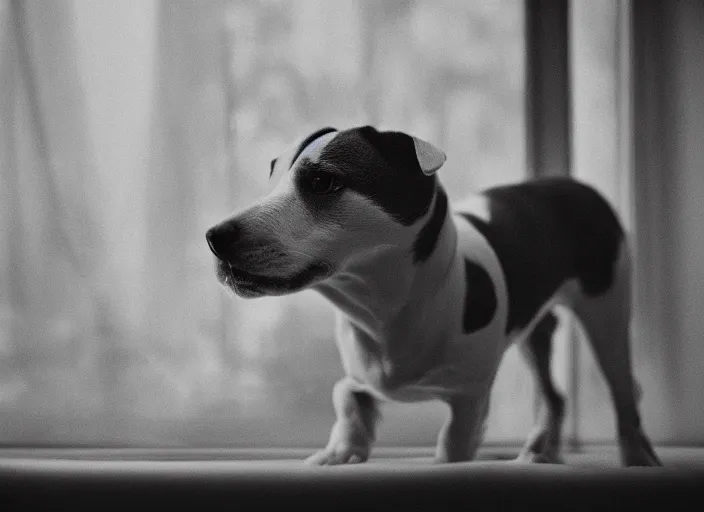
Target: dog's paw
point(636, 450)
point(541, 447)
point(339, 454)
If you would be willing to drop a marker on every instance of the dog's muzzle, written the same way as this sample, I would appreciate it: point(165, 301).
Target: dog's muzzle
point(247, 272)
point(222, 240)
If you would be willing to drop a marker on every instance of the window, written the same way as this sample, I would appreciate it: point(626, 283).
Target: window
point(136, 125)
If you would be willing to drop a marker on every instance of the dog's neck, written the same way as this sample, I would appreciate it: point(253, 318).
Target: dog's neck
point(386, 288)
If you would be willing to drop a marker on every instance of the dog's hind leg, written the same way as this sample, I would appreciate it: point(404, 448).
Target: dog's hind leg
point(606, 321)
point(543, 443)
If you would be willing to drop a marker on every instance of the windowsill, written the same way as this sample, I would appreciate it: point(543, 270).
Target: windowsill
point(594, 457)
point(67, 473)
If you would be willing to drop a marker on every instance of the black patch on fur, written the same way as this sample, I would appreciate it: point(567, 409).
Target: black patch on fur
point(316, 134)
point(428, 236)
point(545, 232)
point(383, 167)
point(272, 165)
point(479, 298)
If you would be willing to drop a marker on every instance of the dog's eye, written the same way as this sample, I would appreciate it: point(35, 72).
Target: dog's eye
point(323, 183)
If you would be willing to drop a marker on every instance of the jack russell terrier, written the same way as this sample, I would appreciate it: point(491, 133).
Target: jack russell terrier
point(429, 296)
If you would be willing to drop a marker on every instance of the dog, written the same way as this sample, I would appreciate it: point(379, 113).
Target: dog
point(430, 295)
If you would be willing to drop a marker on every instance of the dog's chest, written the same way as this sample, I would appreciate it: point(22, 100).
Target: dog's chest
point(435, 355)
point(459, 364)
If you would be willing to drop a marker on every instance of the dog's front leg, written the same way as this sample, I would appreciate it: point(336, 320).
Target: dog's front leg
point(463, 431)
point(352, 434)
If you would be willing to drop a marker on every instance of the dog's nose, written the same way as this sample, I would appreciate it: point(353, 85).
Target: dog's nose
point(221, 240)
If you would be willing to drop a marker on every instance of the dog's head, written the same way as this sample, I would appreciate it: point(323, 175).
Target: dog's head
point(334, 197)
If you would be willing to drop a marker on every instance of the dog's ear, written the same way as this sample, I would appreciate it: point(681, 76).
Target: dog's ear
point(407, 151)
point(430, 158)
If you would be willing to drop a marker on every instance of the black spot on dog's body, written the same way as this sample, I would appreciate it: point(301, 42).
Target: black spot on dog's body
point(428, 236)
point(545, 232)
point(384, 168)
point(304, 144)
point(272, 165)
point(480, 297)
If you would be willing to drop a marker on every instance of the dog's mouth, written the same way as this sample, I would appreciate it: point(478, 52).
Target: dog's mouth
point(247, 284)
point(242, 283)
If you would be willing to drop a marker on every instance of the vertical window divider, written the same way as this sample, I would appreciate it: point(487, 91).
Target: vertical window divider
point(549, 134)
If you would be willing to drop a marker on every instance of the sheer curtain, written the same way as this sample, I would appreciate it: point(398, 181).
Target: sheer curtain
point(129, 127)
point(114, 127)
point(52, 286)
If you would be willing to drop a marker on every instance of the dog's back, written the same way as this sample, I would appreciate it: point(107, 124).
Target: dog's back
point(546, 232)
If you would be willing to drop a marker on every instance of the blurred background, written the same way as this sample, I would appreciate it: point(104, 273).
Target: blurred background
point(128, 128)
